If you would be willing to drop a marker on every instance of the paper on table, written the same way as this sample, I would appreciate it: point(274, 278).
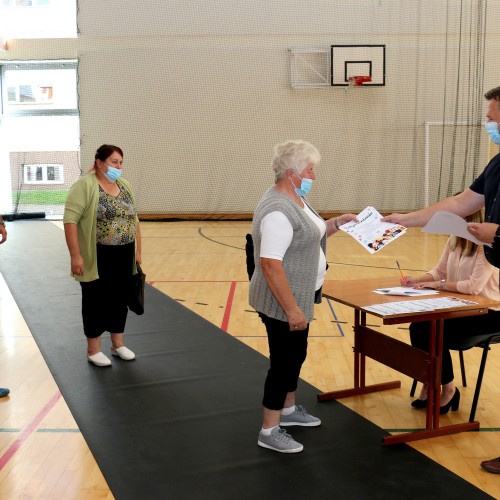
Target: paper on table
point(421, 305)
point(448, 223)
point(372, 233)
point(406, 291)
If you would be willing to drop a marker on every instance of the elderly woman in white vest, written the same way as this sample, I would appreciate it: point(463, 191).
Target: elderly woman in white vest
point(290, 266)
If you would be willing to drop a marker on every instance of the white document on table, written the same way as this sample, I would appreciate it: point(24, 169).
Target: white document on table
point(448, 223)
point(422, 305)
point(406, 291)
point(370, 232)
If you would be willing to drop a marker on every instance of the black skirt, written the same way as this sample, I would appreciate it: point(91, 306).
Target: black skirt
point(104, 301)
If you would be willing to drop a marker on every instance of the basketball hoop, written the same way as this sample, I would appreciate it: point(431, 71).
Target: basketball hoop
point(357, 81)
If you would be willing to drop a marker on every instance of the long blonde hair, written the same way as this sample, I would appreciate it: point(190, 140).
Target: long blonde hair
point(468, 247)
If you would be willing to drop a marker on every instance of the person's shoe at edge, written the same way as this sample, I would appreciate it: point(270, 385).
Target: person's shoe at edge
point(99, 359)
point(279, 440)
point(492, 465)
point(299, 417)
point(123, 353)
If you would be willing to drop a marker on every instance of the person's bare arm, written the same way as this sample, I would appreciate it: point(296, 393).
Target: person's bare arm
point(484, 232)
point(463, 204)
point(333, 224)
point(3, 231)
point(138, 245)
point(278, 283)
point(71, 234)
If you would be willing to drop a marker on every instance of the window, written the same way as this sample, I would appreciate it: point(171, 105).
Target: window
point(49, 90)
point(38, 18)
point(29, 94)
point(43, 174)
point(25, 3)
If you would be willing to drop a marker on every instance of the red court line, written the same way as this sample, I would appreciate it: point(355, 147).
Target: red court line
point(26, 433)
point(229, 305)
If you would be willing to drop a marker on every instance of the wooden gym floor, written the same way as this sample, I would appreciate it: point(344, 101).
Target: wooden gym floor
point(202, 265)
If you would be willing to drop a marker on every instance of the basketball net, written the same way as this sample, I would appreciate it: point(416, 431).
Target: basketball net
point(357, 81)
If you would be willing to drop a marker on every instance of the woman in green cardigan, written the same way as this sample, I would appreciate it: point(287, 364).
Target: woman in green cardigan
point(104, 241)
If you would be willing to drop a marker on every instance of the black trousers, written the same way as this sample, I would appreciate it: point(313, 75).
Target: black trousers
point(287, 353)
point(104, 301)
point(454, 329)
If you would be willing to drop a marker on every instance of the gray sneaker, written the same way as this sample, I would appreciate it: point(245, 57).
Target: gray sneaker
point(300, 417)
point(279, 440)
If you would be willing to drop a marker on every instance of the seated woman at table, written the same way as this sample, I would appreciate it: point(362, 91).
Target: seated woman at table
point(462, 268)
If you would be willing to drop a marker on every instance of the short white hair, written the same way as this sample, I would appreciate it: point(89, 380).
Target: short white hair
point(296, 155)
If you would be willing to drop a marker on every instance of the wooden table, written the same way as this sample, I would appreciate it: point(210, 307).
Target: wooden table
point(417, 364)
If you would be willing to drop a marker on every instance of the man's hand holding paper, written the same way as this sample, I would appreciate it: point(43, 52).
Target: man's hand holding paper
point(448, 223)
point(484, 232)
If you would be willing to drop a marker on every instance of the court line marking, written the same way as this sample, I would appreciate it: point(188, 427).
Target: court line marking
point(335, 317)
point(229, 305)
point(26, 433)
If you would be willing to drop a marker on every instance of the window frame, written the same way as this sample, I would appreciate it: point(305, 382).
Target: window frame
point(29, 66)
point(44, 167)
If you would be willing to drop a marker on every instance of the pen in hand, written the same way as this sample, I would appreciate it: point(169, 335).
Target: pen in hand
point(403, 277)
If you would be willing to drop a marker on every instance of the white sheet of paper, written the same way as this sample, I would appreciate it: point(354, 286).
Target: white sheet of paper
point(406, 291)
point(448, 223)
point(421, 305)
point(370, 232)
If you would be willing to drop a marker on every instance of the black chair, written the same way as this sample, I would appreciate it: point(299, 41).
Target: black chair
point(482, 341)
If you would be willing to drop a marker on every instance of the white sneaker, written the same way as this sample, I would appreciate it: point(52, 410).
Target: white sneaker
point(124, 353)
point(99, 359)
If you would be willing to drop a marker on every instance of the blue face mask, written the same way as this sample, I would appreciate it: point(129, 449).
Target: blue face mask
point(305, 186)
point(112, 174)
point(492, 129)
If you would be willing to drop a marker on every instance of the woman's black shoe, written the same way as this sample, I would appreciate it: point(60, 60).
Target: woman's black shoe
point(453, 403)
point(419, 403)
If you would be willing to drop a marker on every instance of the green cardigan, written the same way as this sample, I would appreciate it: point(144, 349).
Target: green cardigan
point(81, 209)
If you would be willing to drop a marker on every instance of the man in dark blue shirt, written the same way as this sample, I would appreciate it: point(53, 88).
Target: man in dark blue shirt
point(483, 192)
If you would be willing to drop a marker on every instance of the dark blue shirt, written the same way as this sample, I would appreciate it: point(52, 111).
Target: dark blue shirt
point(488, 184)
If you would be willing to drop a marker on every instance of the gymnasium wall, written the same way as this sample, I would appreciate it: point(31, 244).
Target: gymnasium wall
point(198, 92)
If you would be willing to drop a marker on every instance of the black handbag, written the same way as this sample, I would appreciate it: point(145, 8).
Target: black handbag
point(249, 255)
point(136, 292)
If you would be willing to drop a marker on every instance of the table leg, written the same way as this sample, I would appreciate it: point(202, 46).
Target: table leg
point(407, 437)
point(434, 380)
point(431, 381)
point(432, 428)
point(362, 358)
point(360, 386)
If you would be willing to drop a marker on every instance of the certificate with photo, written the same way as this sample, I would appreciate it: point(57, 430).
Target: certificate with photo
point(370, 232)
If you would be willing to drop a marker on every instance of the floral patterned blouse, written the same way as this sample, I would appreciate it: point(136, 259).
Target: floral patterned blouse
point(115, 219)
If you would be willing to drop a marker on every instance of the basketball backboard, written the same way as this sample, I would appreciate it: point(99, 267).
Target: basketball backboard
point(349, 61)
